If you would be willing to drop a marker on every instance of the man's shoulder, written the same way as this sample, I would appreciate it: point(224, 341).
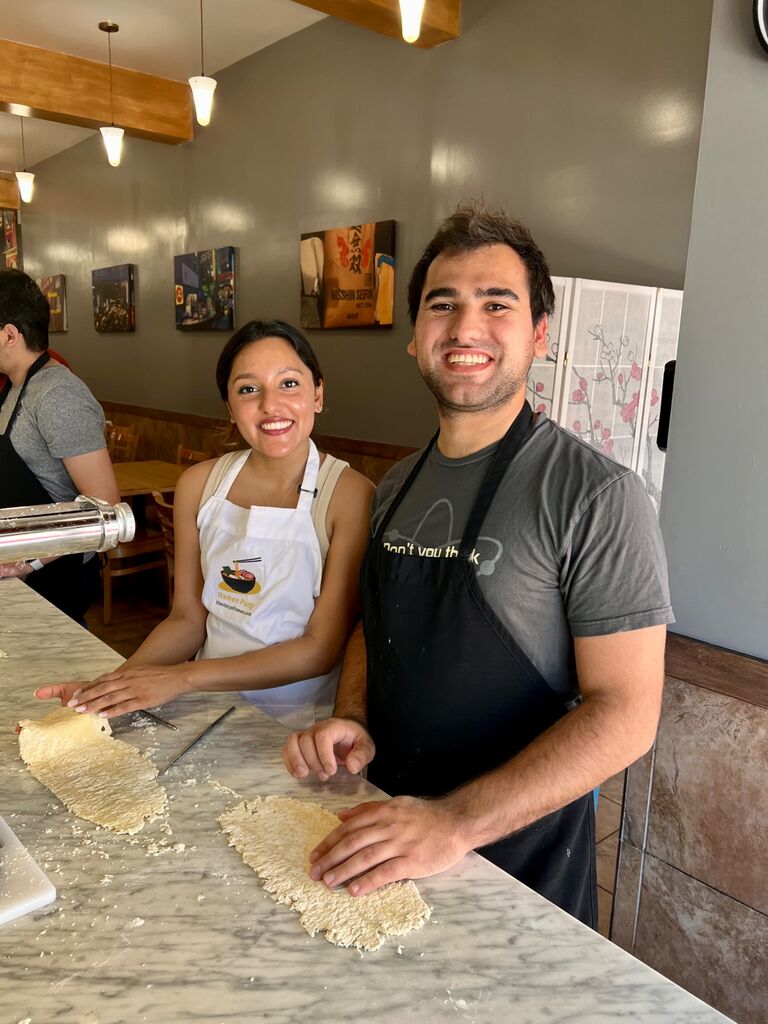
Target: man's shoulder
point(561, 457)
point(398, 473)
point(393, 480)
point(59, 379)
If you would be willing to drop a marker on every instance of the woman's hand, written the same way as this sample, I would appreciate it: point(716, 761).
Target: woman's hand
point(61, 691)
point(127, 689)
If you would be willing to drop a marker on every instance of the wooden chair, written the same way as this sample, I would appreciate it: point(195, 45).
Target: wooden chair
point(165, 516)
point(122, 442)
point(145, 552)
point(188, 456)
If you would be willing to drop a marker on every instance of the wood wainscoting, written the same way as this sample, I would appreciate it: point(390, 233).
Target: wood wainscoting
point(162, 431)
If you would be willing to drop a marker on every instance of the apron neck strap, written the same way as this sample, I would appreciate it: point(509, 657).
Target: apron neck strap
point(508, 448)
point(38, 364)
point(307, 487)
point(395, 505)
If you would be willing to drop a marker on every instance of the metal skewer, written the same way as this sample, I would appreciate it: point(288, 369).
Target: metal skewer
point(199, 736)
point(158, 719)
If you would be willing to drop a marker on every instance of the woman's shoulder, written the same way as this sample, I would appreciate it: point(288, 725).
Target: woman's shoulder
point(351, 499)
point(192, 481)
point(352, 483)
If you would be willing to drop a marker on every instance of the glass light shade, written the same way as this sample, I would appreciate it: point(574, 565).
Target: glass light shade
point(26, 180)
point(410, 19)
point(113, 143)
point(203, 89)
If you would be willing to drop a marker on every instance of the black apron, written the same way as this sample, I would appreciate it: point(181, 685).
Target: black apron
point(68, 582)
point(451, 695)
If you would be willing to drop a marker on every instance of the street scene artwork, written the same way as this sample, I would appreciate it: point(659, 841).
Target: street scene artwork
point(10, 241)
point(54, 288)
point(114, 309)
point(204, 290)
point(348, 276)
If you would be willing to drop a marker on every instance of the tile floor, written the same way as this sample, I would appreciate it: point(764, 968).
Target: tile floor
point(138, 607)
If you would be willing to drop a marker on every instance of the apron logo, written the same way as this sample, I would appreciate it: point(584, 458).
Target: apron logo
point(241, 581)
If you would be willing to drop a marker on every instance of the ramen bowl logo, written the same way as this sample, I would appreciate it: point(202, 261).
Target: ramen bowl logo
point(241, 580)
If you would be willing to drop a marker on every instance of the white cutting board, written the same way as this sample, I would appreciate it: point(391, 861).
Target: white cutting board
point(23, 886)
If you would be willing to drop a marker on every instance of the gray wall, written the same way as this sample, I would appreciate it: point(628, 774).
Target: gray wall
point(583, 119)
point(716, 482)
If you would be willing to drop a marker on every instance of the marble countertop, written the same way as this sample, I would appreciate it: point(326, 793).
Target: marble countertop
point(170, 925)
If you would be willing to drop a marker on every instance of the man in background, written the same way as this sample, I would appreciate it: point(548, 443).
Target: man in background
point(52, 445)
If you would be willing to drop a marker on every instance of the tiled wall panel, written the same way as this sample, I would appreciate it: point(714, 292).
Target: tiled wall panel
point(709, 944)
point(709, 815)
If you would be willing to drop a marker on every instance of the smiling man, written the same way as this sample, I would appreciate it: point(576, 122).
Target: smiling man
point(514, 607)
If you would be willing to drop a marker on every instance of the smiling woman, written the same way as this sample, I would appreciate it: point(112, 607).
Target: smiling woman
point(269, 543)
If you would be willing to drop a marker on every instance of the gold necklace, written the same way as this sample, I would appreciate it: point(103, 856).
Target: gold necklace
point(294, 483)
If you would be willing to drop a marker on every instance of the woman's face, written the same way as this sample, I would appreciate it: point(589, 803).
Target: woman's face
point(272, 397)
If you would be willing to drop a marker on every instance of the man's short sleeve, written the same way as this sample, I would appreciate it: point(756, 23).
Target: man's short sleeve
point(614, 574)
point(71, 421)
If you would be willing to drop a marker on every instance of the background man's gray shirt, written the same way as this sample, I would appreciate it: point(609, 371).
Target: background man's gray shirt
point(59, 419)
point(570, 546)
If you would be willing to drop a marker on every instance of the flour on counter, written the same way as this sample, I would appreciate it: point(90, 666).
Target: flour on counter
point(275, 836)
point(215, 784)
point(99, 778)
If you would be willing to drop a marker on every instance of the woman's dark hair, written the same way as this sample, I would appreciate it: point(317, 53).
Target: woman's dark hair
point(24, 305)
point(472, 227)
point(255, 330)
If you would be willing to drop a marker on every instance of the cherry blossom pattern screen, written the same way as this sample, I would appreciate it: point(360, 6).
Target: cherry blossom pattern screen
point(545, 374)
point(602, 376)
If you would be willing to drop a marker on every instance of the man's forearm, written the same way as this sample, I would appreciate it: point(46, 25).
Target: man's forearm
point(351, 694)
point(581, 750)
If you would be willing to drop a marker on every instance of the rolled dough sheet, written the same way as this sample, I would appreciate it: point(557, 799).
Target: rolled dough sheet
point(96, 776)
point(275, 836)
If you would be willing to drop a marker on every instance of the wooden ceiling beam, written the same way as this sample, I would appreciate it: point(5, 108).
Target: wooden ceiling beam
point(440, 22)
point(72, 90)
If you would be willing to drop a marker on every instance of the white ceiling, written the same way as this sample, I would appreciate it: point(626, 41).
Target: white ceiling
point(161, 37)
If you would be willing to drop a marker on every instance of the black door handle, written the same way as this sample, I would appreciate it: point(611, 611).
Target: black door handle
point(665, 407)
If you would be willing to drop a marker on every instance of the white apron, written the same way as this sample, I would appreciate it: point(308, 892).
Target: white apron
point(262, 571)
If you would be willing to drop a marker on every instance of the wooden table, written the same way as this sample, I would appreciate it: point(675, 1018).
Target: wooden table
point(135, 478)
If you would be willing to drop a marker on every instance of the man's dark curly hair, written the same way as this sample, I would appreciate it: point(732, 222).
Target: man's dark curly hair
point(24, 305)
point(472, 227)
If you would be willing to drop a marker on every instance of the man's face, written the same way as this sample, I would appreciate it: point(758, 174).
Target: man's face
point(474, 339)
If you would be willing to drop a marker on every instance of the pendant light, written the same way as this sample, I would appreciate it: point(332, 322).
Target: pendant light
point(25, 178)
point(202, 87)
point(113, 137)
point(410, 19)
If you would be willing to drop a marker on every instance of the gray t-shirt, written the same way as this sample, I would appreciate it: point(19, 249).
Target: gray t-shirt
point(569, 547)
point(59, 419)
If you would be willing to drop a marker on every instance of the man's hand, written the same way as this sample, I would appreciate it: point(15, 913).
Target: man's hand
point(325, 746)
point(127, 689)
point(15, 570)
point(388, 840)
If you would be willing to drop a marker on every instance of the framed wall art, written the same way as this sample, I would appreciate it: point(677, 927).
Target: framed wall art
point(54, 288)
point(348, 276)
point(114, 308)
point(204, 290)
point(10, 241)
